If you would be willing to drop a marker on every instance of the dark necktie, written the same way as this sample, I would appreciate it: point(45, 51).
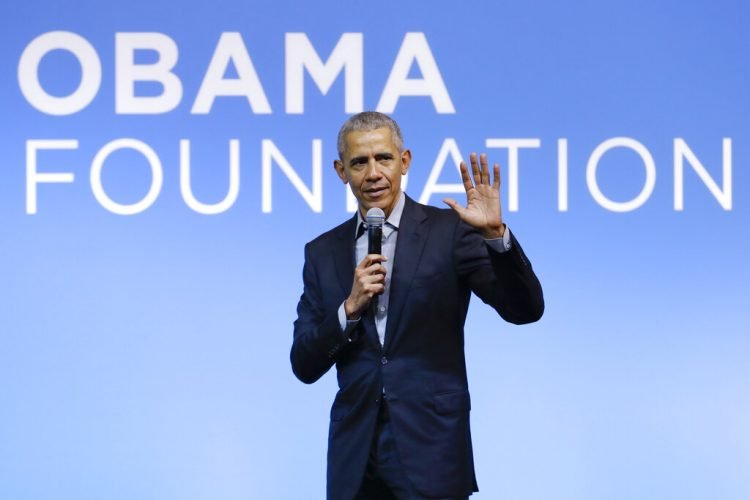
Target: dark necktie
point(360, 230)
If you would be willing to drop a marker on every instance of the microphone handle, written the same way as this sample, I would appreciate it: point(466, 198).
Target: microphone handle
point(375, 239)
point(374, 245)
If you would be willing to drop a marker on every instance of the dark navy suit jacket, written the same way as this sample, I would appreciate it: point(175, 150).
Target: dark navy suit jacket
point(439, 261)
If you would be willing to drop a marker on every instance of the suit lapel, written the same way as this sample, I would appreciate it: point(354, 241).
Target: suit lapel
point(343, 255)
point(412, 234)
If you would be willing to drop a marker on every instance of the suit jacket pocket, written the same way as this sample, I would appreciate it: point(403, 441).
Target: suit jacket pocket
point(452, 402)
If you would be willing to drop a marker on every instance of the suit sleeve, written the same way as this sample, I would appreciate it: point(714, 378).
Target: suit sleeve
point(318, 337)
point(505, 281)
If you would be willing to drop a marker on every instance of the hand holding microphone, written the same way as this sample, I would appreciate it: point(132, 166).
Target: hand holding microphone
point(369, 275)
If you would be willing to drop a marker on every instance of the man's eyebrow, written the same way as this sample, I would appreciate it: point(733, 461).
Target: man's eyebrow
point(357, 159)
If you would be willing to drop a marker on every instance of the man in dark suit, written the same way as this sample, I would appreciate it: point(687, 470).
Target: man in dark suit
point(400, 420)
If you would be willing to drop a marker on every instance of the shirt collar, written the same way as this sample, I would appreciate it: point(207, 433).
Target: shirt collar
point(395, 218)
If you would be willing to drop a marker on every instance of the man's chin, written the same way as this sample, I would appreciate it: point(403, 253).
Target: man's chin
point(367, 205)
point(385, 202)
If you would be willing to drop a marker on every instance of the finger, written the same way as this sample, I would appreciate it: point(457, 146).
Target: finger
point(496, 173)
point(376, 269)
point(475, 169)
point(372, 258)
point(364, 263)
point(454, 205)
point(485, 169)
point(468, 186)
point(368, 278)
point(370, 284)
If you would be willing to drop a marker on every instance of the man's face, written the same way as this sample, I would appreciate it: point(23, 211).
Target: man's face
point(372, 165)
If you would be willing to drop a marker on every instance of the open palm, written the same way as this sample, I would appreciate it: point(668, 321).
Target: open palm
point(483, 209)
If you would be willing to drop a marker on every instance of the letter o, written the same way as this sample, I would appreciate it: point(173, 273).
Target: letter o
point(593, 163)
point(157, 176)
point(28, 73)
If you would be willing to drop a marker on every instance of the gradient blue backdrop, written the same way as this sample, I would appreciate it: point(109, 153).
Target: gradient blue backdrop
point(146, 357)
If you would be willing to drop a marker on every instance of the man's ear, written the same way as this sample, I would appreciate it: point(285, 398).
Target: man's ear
point(405, 161)
point(339, 166)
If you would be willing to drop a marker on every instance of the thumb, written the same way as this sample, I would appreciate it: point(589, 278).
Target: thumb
point(454, 205)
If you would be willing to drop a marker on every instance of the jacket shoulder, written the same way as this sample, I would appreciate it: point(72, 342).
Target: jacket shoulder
point(331, 236)
point(434, 214)
point(442, 213)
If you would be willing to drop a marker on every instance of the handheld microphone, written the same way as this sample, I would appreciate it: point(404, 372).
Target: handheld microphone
point(374, 220)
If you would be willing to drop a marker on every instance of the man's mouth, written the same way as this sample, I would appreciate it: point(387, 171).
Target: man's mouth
point(375, 192)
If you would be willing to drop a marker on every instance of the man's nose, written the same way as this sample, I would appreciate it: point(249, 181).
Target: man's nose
point(373, 172)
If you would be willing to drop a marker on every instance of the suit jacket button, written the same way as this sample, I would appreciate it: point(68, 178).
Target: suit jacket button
point(384, 360)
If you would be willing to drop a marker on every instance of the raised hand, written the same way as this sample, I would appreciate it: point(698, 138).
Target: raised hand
point(483, 210)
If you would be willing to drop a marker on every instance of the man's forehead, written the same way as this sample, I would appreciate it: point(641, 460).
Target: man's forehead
point(380, 137)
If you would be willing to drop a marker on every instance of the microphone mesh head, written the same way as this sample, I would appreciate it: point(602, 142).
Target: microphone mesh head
point(375, 217)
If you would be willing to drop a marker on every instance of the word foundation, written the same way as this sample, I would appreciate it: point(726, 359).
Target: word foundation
point(313, 194)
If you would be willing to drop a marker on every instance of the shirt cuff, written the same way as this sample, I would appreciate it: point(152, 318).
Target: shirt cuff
point(500, 245)
point(347, 325)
